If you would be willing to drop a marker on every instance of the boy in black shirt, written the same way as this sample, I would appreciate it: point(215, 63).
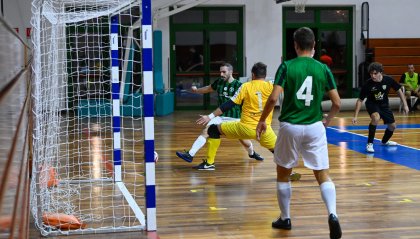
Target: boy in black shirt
point(376, 91)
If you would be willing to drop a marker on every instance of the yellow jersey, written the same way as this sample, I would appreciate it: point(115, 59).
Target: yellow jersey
point(252, 96)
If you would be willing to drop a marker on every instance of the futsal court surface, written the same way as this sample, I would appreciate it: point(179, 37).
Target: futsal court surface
point(378, 195)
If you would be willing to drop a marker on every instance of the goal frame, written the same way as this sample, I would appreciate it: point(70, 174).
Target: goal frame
point(147, 219)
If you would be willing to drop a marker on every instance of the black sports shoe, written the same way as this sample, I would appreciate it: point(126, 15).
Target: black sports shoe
point(335, 229)
point(282, 224)
point(256, 156)
point(185, 156)
point(205, 166)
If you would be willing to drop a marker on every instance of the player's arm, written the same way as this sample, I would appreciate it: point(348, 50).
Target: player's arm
point(402, 97)
point(356, 110)
point(335, 106)
point(202, 90)
point(204, 119)
point(269, 106)
point(398, 89)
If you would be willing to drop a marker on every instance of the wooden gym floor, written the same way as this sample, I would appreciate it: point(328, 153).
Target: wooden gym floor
point(378, 195)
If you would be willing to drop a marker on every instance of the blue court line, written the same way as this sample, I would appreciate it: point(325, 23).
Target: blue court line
point(403, 155)
point(362, 127)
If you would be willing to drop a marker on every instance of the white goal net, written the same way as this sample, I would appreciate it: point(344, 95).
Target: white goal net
point(89, 171)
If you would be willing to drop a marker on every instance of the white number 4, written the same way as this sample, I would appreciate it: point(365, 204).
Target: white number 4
point(304, 92)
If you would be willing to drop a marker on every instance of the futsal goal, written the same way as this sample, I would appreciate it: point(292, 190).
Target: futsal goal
point(93, 165)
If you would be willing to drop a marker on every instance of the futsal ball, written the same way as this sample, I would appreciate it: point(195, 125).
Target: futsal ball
point(156, 157)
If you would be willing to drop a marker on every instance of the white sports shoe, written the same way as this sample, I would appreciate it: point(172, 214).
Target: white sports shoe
point(369, 148)
point(390, 143)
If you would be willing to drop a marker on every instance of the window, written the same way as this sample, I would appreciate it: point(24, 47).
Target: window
point(334, 16)
point(293, 17)
point(188, 16)
point(224, 16)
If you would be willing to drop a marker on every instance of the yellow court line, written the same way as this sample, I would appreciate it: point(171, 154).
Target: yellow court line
point(406, 200)
point(217, 208)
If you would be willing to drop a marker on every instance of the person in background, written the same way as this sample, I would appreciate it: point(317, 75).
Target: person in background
point(375, 91)
point(410, 81)
point(326, 59)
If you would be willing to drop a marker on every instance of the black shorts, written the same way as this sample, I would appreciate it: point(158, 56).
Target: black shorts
point(384, 111)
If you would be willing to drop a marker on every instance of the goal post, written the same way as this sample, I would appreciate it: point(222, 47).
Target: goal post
point(93, 110)
point(149, 139)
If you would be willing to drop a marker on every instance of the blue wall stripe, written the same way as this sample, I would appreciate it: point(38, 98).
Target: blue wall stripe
point(400, 154)
point(149, 154)
point(148, 109)
point(150, 196)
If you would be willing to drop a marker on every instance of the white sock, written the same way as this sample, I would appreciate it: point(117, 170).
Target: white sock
point(329, 196)
point(250, 149)
point(284, 192)
point(197, 145)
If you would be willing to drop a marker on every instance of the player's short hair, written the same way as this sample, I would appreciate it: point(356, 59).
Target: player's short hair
point(304, 38)
point(375, 66)
point(228, 65)
point(259, 69)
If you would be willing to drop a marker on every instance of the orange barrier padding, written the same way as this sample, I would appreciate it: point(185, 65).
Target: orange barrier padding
point(52, 181)
point(52, 177)
point(5, 223)
point(62, 221)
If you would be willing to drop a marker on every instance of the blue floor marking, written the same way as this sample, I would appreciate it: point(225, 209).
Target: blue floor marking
point(403, 155)
point(363, 127)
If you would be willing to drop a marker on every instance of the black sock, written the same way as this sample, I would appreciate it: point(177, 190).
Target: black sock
point(409, 103)
point(372, 131)
point(415, 105)
point(388, 134)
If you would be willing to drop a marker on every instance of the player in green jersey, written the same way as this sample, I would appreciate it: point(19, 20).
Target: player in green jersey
point(304, 81)
point(225, 86)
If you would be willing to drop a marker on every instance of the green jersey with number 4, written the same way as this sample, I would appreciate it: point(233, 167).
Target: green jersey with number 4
point(304, 80)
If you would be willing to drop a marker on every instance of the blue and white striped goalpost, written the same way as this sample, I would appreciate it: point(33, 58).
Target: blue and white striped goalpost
point(149, 221)
point(148, 103)
point(115, 90)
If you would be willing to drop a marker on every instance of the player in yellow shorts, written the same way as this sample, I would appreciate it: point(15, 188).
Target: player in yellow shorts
point(252, 96)
point(238, 130)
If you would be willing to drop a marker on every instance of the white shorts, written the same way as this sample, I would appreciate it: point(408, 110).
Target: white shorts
point(220, 119)
point(308, 140)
